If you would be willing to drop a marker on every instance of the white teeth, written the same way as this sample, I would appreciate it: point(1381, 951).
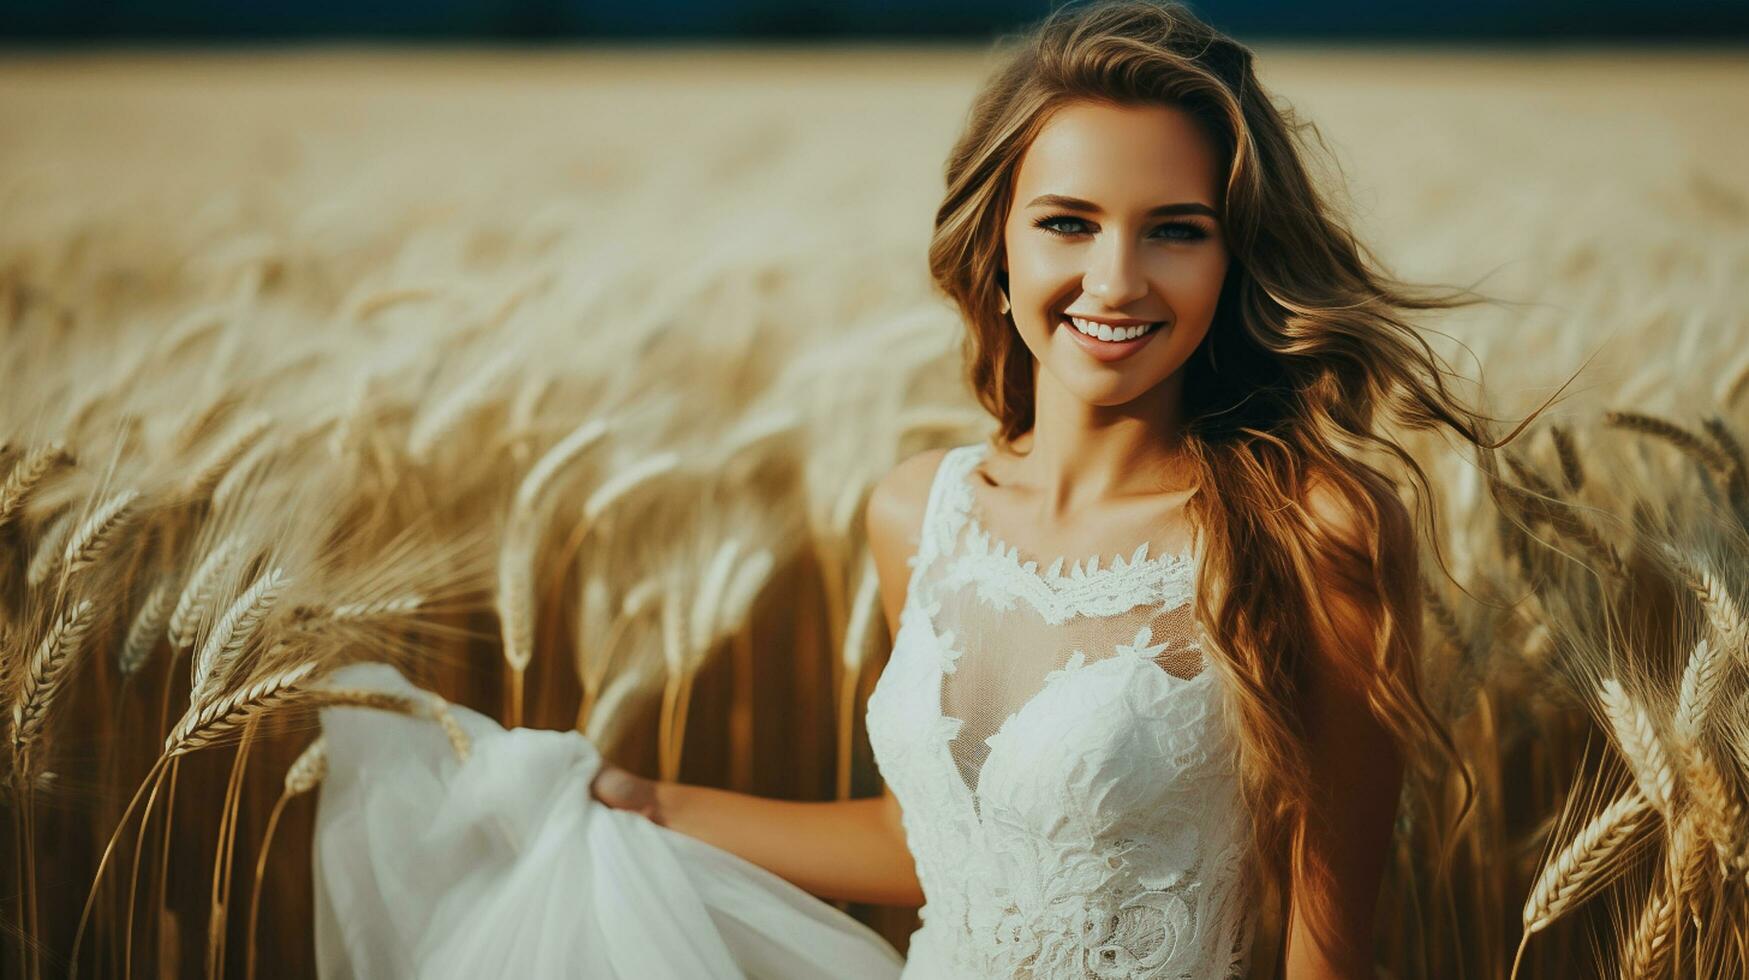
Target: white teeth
point(1105, 331)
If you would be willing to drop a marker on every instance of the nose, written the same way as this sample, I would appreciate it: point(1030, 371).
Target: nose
point(1114, 274)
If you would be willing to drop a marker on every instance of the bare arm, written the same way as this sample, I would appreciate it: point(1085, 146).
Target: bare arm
point(852, 850)
point(1356, 768)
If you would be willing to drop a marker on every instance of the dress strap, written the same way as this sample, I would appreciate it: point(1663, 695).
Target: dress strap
point(941, 515)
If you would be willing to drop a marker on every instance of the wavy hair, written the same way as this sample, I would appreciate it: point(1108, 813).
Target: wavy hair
point(1310, 354)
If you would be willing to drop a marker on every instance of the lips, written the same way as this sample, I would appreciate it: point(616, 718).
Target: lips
point(1109, 350)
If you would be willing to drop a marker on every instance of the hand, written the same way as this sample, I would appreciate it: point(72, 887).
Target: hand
point(622, 790)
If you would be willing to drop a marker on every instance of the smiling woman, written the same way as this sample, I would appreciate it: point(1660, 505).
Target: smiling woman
point(1154, 645)
point(1161, 301)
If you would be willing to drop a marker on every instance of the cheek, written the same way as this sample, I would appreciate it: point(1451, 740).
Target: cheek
point(1194, 281)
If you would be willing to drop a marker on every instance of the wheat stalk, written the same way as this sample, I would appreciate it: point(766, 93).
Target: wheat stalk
point(310, 617)
point(206, 479)
point(625, 481)
point(1727, 441)
point(27, 475)
point(87, 544)
point(197, 596)
point(459, 742)
point(49, 667)
point(706, 606)
point(309, 769)
point(1639, 745)
point(1566, 877)
point(205, 421)
point(236, 628)
point(213, 717)
point(1721, 610)
point(47, 555)
point(148, 625)
point(1714, 812)
point(1695, 694)
point(1572, 471)
point(554, 460)
point(1691, 445)
point(1544, 501)
point(515, 599)
point(516, 587)
point(1648, 948)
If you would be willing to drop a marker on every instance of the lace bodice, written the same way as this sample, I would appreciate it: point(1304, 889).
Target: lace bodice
point(1057, 743)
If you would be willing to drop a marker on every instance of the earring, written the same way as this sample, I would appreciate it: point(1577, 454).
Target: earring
point(1003, 306)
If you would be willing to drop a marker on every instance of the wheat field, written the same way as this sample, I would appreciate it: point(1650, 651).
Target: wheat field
point(559, 378)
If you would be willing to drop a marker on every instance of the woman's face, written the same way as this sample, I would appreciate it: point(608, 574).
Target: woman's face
point(1114, 222)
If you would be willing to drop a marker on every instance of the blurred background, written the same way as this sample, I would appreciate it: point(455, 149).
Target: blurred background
point(384, 258)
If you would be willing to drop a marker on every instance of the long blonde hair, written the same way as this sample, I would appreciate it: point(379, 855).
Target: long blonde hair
point(1308, 353)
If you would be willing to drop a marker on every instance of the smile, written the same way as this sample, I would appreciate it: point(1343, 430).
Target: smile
point(1108, 333)
point(1106, 343)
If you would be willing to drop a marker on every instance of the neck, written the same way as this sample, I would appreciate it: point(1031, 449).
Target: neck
point(1079, 455)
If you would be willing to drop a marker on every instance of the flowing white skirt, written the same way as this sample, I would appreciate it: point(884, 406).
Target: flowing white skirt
point(506, 866)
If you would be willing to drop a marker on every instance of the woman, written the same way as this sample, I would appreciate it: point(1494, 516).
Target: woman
point(1155, 645)
point(1125, 174)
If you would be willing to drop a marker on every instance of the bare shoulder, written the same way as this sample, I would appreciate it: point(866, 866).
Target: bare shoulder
point(894, 521)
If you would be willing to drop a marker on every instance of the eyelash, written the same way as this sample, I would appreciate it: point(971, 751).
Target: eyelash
point(1196, 232)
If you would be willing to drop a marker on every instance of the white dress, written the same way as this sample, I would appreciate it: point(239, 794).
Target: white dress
point(1054, 739)
point(1057, 742)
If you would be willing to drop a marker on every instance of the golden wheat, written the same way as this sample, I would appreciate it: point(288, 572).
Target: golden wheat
point(27, 475)
point(47, 556)
point(1572, 872)
point(241, 621)
point(199, 593)
point(1694, 446)
point(49, 667)
point(1639, 744)
point(86, 544)
point(148, 625)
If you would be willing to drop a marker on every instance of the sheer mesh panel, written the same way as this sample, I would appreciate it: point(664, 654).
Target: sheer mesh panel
point(1013, 624)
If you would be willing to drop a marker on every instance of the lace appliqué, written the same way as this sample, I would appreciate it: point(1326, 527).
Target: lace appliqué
point(1103, 835)
point(1002, 577)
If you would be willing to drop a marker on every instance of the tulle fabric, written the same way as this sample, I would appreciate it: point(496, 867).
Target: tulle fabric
point(506, 866)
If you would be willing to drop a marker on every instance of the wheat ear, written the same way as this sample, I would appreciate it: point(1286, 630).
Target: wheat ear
point(625, 481)
point(49, 666)
point(554, 460)
point(1546, 503)
point(88, 543)
point(1572, 470)
point(1727, 441)
point(214, 717)
point(27, 475)
point(309, 769)
point(1691, 445)
point(147, 626)
point(197, 595)
point(395, 606)
point(1639, 745)
point(1722, 613)
point(1649, 944)
point(1564, 880)
point(235, 629)
point(459, 742)
point(1695, 695)
point(206, 479)
point(47, 556)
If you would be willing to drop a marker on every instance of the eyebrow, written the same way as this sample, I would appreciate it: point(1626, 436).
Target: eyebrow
point(1076, 204)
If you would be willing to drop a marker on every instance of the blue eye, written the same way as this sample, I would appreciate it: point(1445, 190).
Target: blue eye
point(1186, 231)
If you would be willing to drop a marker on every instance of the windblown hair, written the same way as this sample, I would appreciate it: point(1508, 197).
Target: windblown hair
point(1310, 352)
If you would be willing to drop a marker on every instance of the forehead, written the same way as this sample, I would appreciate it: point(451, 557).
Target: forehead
point(1117, 156)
